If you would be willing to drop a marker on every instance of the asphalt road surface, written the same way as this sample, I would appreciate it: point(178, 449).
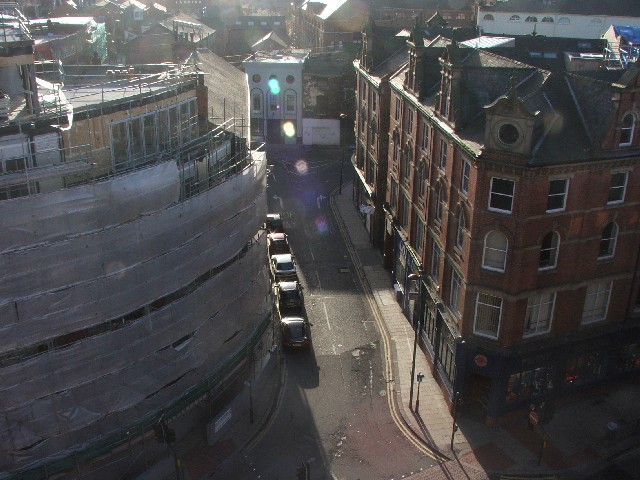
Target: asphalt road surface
point(332, 412)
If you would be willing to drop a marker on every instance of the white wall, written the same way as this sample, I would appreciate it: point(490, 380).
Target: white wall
point(320, 131)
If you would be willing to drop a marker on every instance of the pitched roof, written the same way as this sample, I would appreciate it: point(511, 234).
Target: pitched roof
point(622, 8)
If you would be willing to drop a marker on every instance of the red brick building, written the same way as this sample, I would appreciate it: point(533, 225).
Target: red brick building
point(514, 192)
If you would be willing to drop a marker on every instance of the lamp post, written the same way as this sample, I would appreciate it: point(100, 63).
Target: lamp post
point(457, 403)
point(412, 277)
point(343, 117)
point(420, 377)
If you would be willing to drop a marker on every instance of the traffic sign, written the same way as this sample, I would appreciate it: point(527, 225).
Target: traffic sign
point(533, 418)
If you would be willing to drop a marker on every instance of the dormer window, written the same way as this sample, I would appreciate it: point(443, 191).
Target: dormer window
point(531, 19)
point(514, 18)
point(627, 130)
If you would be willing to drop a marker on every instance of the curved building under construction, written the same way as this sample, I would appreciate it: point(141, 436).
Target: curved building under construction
point(134, 264)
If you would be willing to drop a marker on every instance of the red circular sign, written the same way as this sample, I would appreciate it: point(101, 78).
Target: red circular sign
point(533, 418)
point(481, 360)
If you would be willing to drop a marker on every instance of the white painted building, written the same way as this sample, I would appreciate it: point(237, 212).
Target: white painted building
point(588, 19)
point(275, 91)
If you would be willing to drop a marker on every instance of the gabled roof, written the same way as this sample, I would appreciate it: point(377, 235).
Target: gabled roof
point(269, 37)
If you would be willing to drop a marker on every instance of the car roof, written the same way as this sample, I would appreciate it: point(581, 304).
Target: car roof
point(277, 236)
point(273, 216)
point(283, 257)
point(292, 320)
point(288, 285)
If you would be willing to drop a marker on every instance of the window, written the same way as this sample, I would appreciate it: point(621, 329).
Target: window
point(443, 154)
point(396, 147)
point(547, 19)
point(19, 164)
point(549, 251)
point(417, 232)
point(531, 19)
point(410, 122)
point(371, 171)
point(564, 21)
point(435, 262)
point(627, 130)
point(596, 303)
point(501, 195)
point(407, 163)
point(494, 255)
point(256, 102)
point(608, 241)
point(374, 134)
point(290, 79)
point(557, 195)
point(539, 314)
point(466, 173)
point(456, 292)
point(256, 78)
point(596, 22)
point(290, 102)
point(440, 202)
point(398, 109)
point(488, 312)
point(514, 18)
point(488, 18)
point(404, 214)
point(462, 224)
point(617, 188)
point(394, 195)
point(374, 101)
point(422, 179)
point(425, 136)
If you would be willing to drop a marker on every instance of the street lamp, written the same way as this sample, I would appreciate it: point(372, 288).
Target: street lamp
point(457, 403)
point(419, 277)
point(343, 117)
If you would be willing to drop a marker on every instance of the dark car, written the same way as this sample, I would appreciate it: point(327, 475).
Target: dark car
point(278, 243)
point(274, 223)
point(283, 267)
point(295, 332)
point(290, 296)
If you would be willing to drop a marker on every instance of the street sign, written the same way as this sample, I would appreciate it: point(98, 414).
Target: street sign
point(533, 418)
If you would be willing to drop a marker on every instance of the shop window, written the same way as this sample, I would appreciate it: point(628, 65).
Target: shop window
point(447, 354)
point(530, 383)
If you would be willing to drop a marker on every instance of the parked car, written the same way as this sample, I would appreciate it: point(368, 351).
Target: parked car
point(283, 267)
point(294, 332)
point(278, 243)
point(274, 223)
point(290, 297)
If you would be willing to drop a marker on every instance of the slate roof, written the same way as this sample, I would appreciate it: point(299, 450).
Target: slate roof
point(574, 110)
point(228, 86)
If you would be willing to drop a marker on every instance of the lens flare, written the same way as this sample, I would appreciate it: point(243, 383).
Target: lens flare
point(274, 86)
point(301, 167)
point(289, 129)
point(321, 225)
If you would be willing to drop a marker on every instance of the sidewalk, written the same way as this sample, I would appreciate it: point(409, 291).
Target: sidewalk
point(578, 442)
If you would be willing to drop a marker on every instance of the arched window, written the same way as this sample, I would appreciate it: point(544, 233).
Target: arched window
point(460, 232)
point(488, 17)
point(627, 130)
point(564, 21)
point(549, 251)
point(608, 241)
point(531, 19)
point(494, 255)
point(256, 101)
point(514, 18)
point(547, 19)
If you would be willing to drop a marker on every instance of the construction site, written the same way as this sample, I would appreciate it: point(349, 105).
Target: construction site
point(135, 295)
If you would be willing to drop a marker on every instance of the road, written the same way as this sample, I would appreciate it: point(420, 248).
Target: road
point(333, 412)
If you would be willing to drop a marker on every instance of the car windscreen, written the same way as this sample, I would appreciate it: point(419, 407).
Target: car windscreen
point(285, 266)
point(289, 295)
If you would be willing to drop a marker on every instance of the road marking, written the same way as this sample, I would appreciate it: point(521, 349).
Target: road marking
point(318, 278)
point(326, 314)
point(312, 256)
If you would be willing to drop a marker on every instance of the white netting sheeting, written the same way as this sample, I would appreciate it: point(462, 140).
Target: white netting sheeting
point(45, 218)
point(66, 397)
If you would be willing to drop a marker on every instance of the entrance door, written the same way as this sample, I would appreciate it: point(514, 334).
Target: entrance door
point(478, 402)
point(274, 131)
